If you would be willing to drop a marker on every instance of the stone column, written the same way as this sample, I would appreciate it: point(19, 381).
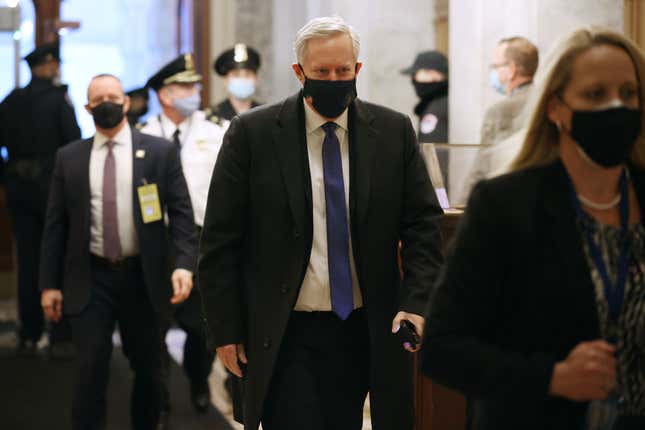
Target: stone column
point(223, 23)
point(391, 36)
point(253, 26)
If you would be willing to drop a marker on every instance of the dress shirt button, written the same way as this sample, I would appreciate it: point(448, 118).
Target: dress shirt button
point(267, 343)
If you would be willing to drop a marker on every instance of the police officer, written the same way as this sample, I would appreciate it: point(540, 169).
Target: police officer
point(239, 66)
point(34, 122)
point(429, 75)
point(139, 99)
point(198, 141)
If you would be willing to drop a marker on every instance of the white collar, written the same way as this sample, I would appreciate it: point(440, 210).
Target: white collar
point(313, 120)
point(168, 127)
point(123, 137)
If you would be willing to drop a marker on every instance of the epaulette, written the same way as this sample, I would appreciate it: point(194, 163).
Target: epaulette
point(213, 117)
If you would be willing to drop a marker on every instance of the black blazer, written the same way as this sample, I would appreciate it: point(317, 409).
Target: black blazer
point(257, 238)
point(514, 298)
point(65, 255)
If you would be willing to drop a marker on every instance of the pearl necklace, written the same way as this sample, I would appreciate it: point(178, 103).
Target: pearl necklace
point(599, 206)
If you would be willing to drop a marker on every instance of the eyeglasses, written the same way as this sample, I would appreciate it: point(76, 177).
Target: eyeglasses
point(497, 65)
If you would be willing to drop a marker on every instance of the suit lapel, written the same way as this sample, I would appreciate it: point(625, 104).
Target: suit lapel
point(84, 182)
point(138, 173)
point(289, 139)
point(565, 236)
point(362, 139)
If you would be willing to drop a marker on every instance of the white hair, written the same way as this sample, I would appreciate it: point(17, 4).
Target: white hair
point(323, 27)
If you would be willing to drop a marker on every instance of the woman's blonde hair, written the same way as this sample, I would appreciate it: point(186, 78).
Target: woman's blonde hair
point(541, 140)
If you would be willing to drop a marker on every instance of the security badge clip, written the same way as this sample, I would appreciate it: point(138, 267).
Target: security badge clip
point(149, 201)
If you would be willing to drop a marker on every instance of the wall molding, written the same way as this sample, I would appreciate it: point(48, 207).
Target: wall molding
point(634, 14)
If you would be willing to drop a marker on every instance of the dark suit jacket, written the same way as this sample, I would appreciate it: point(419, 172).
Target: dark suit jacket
point(65, 260)
point(257, 239)
point(514, 298)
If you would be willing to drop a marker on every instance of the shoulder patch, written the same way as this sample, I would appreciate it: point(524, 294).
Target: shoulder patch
point(428, 123)
point(215, 119)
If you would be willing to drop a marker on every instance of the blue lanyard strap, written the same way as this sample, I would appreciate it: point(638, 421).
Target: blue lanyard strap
point(616, 295)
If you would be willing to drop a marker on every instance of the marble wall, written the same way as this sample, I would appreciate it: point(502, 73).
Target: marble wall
point(477, 25)
point(128, 38)
point(391, 35)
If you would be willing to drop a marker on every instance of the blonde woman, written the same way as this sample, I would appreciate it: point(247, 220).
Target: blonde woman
point(539, 314)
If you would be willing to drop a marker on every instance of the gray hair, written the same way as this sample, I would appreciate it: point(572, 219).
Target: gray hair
point(321, 28)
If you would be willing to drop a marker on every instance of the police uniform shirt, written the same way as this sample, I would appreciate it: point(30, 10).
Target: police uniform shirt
point(315, 294)
point(225, 109)
point(122, 151)
point(200, 142)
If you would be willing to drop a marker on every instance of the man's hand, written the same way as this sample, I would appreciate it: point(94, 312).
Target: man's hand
point(588, 373)
point(182, 284)
point(52, 302)
point(417, 320)
point(230, 355)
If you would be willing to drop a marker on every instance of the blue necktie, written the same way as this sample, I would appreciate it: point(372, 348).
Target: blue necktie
point(340, 279)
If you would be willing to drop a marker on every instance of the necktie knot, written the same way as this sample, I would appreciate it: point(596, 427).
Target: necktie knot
point(329, 127)
point(110, 144)
point(175, 135)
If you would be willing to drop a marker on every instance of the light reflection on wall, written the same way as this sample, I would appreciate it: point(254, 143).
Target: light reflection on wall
point(128, 38)
point(26, 35)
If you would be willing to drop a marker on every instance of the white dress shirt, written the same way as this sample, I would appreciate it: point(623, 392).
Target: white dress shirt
point(122, 151)
point(200, 141)
point(315, 293)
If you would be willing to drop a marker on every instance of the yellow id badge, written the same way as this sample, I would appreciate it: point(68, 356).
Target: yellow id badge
point(149, 200)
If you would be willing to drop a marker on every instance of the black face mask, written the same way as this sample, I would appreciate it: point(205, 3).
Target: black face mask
point(107, 114)
point(430, 90)
point(606, 136)
point(330, 98)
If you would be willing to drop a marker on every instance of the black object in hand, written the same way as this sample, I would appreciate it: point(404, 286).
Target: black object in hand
point(408, 334)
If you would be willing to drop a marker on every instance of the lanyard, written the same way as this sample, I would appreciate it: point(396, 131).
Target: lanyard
point(616, 295)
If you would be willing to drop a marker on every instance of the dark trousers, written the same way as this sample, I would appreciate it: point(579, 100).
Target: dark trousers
point(321, 377)
point(27, 206)
point(198, 358)
point(118, 295)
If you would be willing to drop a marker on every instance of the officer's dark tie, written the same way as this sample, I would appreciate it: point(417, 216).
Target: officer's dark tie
point(175, 140)
point(340, 279)
point(111, 240)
